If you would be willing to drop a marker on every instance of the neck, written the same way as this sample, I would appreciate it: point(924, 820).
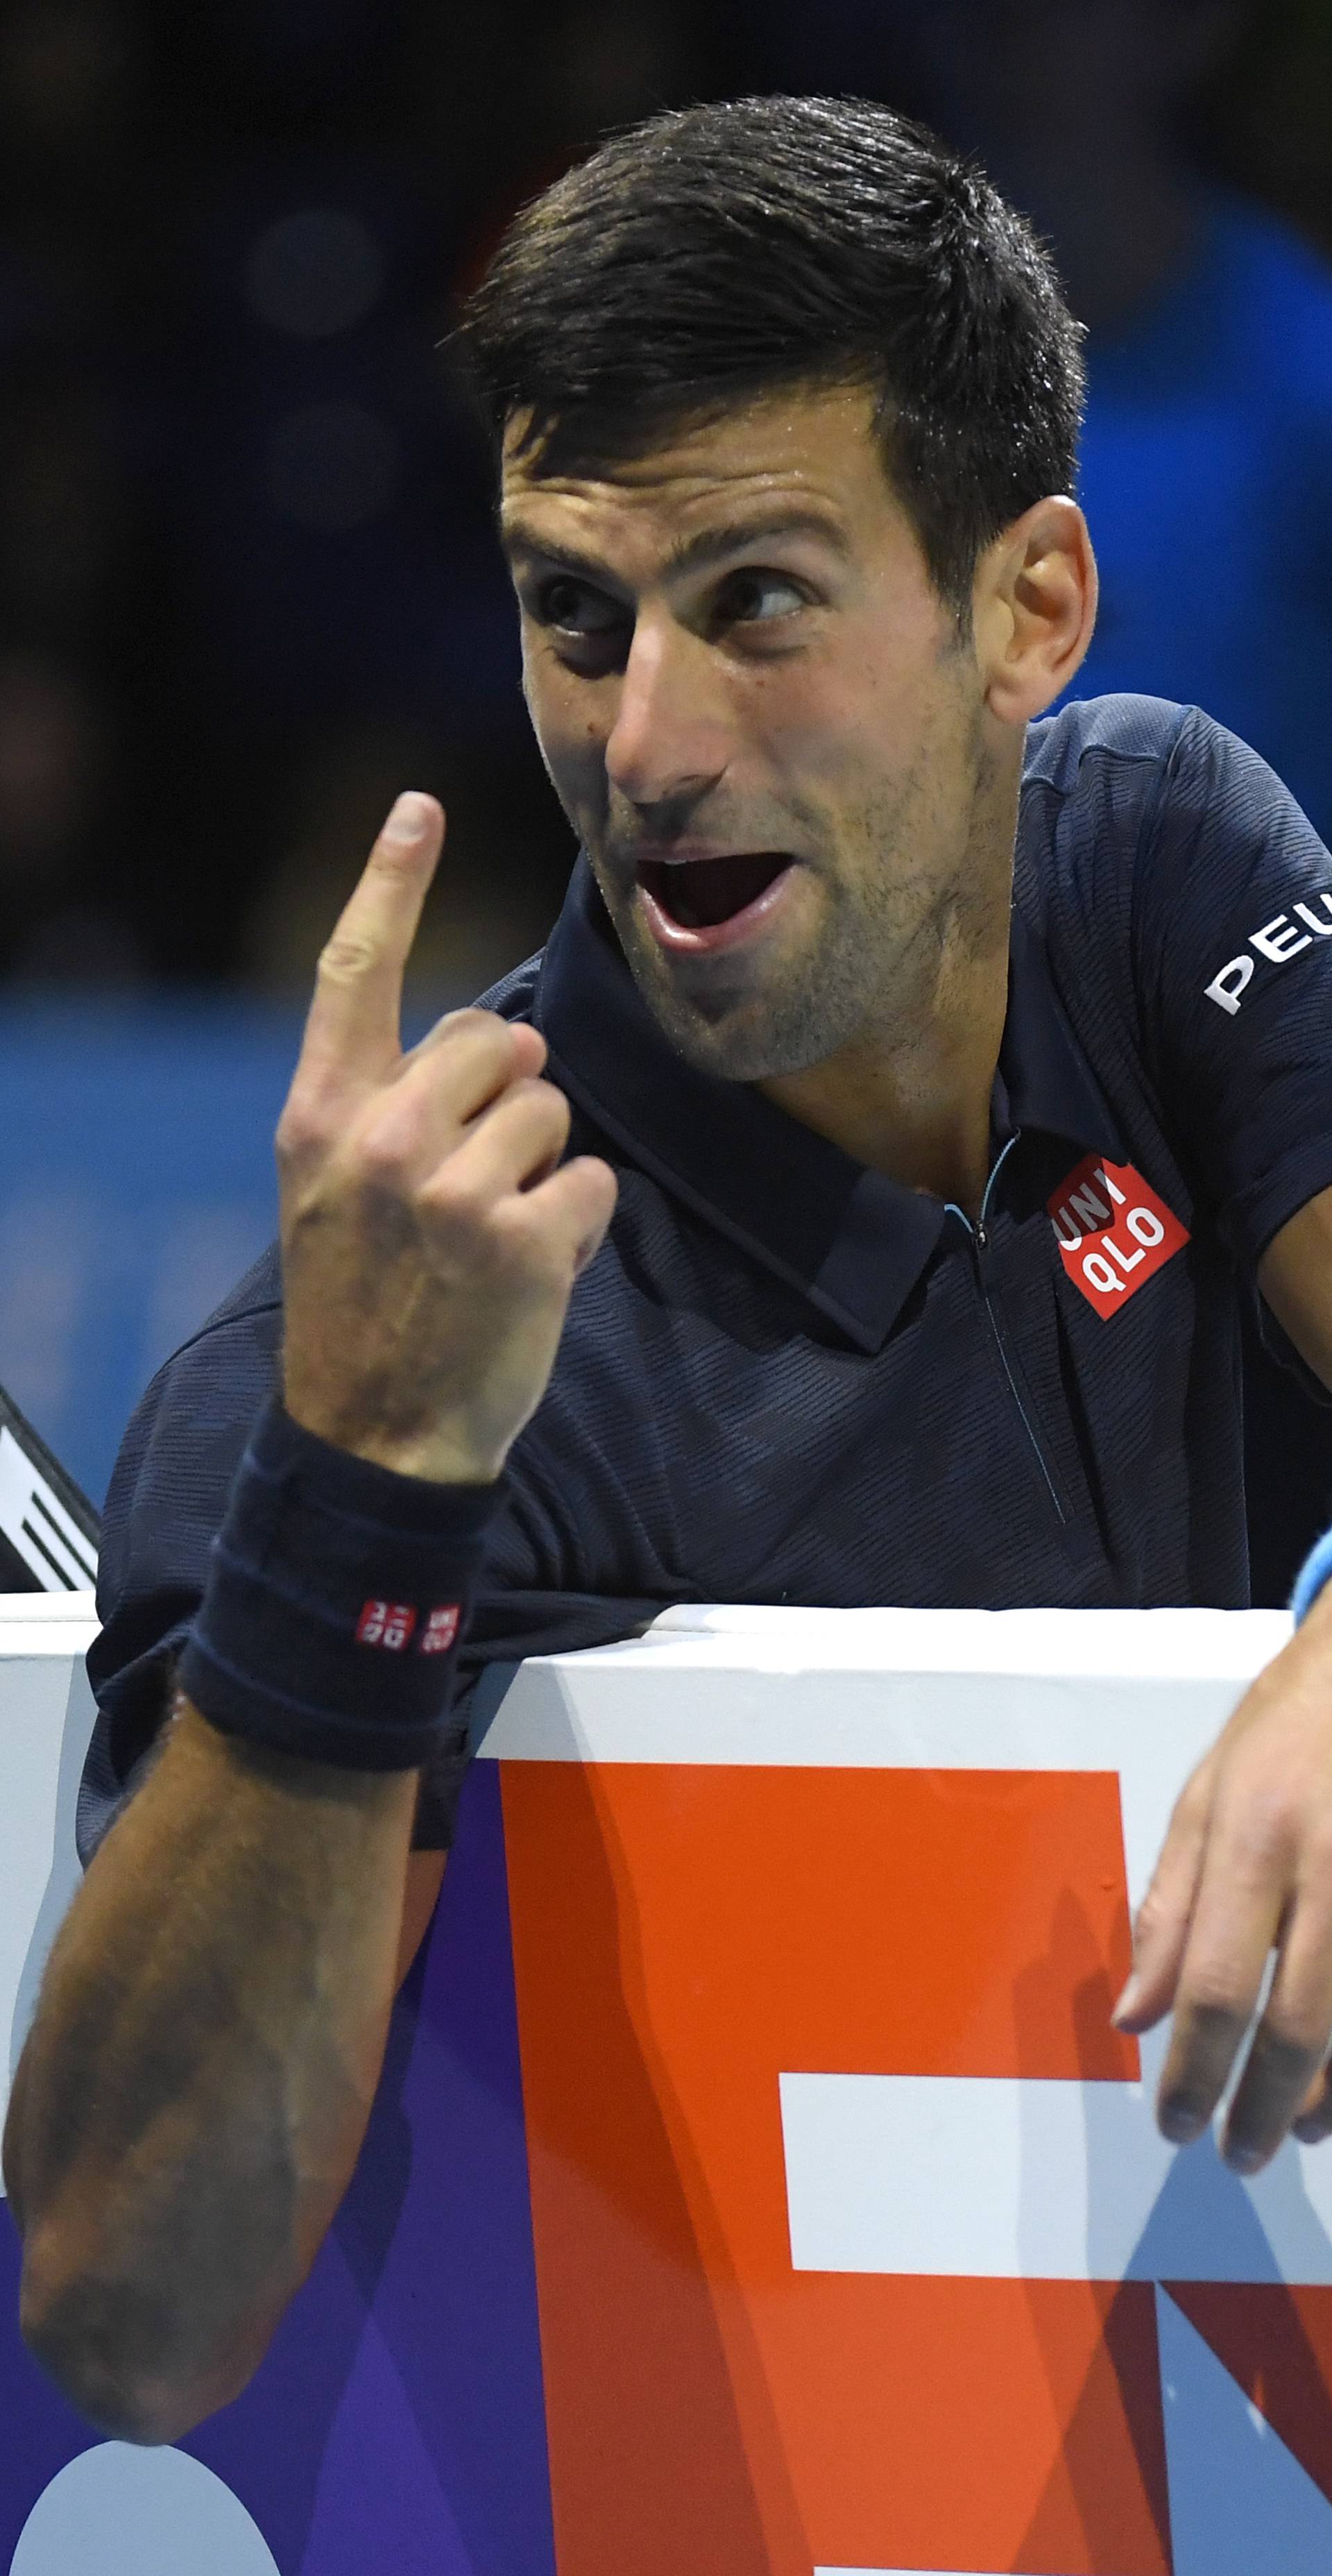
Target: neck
point(910, 1096)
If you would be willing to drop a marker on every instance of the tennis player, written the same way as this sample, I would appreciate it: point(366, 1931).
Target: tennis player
point(853, 1203)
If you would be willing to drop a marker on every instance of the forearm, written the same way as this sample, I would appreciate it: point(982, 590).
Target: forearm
point(197, 2083)
point(212, 2023)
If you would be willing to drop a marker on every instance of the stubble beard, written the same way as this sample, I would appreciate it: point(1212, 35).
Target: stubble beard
point(889, 929)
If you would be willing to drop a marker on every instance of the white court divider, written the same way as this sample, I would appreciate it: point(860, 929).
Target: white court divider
point(1139, 1692)
point(46, 1718)
point(119, 2510)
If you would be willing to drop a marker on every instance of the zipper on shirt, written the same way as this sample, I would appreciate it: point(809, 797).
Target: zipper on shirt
point(981, 1238)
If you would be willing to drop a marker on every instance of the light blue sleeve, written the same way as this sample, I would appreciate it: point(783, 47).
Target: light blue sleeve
point(1312, 1576)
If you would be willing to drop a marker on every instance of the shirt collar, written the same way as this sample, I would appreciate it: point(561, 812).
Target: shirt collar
point(848, 1239)
point(1043, 1071)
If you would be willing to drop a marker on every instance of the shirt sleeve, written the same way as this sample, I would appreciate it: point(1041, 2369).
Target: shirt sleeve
point(167, 1497)
point(1233, 962)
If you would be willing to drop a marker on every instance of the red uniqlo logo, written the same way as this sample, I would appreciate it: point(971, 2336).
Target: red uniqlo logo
point(386, 1623)
point(441, 1628)
point(1114, 1233)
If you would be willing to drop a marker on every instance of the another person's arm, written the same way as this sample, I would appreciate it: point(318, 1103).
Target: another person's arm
point(196, 2086)
point(1246, 1869)
point(1232, 997)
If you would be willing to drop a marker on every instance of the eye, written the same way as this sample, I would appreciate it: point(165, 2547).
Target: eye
point(575, 608)
point(754, 597)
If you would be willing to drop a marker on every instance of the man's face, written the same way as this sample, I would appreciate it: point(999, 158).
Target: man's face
point(761, 723)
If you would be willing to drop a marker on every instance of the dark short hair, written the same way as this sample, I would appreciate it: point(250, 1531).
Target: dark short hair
point(762, 244)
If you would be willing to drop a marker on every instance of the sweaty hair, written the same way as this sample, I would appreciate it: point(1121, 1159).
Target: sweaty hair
point(759, 245)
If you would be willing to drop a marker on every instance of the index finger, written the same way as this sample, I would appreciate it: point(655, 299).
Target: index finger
point(355, 1013)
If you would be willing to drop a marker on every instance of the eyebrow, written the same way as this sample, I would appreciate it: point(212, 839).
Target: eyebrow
point(688, 554)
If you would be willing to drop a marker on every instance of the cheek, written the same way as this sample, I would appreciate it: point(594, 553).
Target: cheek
point(836, 717)
point(569, 735)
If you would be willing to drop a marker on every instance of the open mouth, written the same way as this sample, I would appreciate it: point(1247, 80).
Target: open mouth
point(699, 894)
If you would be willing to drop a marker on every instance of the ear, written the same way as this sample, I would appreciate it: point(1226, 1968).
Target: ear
point(1034, 609)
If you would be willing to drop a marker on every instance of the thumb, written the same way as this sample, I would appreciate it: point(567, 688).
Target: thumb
point(1161, 1927)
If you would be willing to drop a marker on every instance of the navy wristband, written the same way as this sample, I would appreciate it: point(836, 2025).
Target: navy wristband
point(1312, 1576)
point(337, 1598)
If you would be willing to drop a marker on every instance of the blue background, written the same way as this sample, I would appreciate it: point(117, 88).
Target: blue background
point(136, 1184)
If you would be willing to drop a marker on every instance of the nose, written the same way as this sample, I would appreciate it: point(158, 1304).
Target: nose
point(671, 737)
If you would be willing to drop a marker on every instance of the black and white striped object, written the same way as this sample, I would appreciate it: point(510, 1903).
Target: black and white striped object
point(48, 1529)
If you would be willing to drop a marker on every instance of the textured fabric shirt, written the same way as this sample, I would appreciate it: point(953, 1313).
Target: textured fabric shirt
point(785, 1378)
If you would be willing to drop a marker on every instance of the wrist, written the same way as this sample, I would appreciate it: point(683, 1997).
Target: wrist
point(388, 1477)
point(337, 1601)
point(443, 1456)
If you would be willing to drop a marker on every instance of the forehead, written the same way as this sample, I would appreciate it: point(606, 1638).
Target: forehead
point(816, 450)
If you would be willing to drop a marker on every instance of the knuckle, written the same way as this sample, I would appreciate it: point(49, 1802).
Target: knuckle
point(1259, 1817)
point(587, 1177)
point(1213, 2010)
point(1152, 1915)
point(382, 1161)
point(345, 958)
point(458, 1203)
point(1288, 2047)
point(300, 1130)
point(548, 1102)
point(516, 1225)
point(1196, 1795)
point(525, 1239)
point(471, 1027)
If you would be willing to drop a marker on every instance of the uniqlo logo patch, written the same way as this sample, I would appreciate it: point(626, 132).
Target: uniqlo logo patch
point(1113, 1232)
point(441, 1628)
point(386, 1623)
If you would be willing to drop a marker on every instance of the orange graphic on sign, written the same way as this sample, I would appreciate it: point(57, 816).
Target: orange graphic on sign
point(684, 1935)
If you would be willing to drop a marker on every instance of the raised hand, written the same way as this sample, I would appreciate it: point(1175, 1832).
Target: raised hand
point(429, 1241)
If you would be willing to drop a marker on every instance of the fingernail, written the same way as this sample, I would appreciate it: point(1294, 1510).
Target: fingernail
point(410, 819)
point(1127, 2001)
point(1244, 2160)
point(1180, 2125)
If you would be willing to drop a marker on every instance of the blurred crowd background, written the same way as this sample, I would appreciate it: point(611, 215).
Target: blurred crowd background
point(248, 585)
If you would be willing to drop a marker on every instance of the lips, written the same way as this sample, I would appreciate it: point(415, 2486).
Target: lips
point(700, 894)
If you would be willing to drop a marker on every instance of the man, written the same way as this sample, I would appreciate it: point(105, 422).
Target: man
point(936, 1174)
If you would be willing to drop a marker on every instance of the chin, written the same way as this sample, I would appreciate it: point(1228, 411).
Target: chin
point(738, 1038)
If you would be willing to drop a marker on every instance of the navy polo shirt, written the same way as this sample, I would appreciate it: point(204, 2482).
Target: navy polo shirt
point(786, 1378)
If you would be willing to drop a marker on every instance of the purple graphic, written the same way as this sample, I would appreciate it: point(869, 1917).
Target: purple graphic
point(398, 2420)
